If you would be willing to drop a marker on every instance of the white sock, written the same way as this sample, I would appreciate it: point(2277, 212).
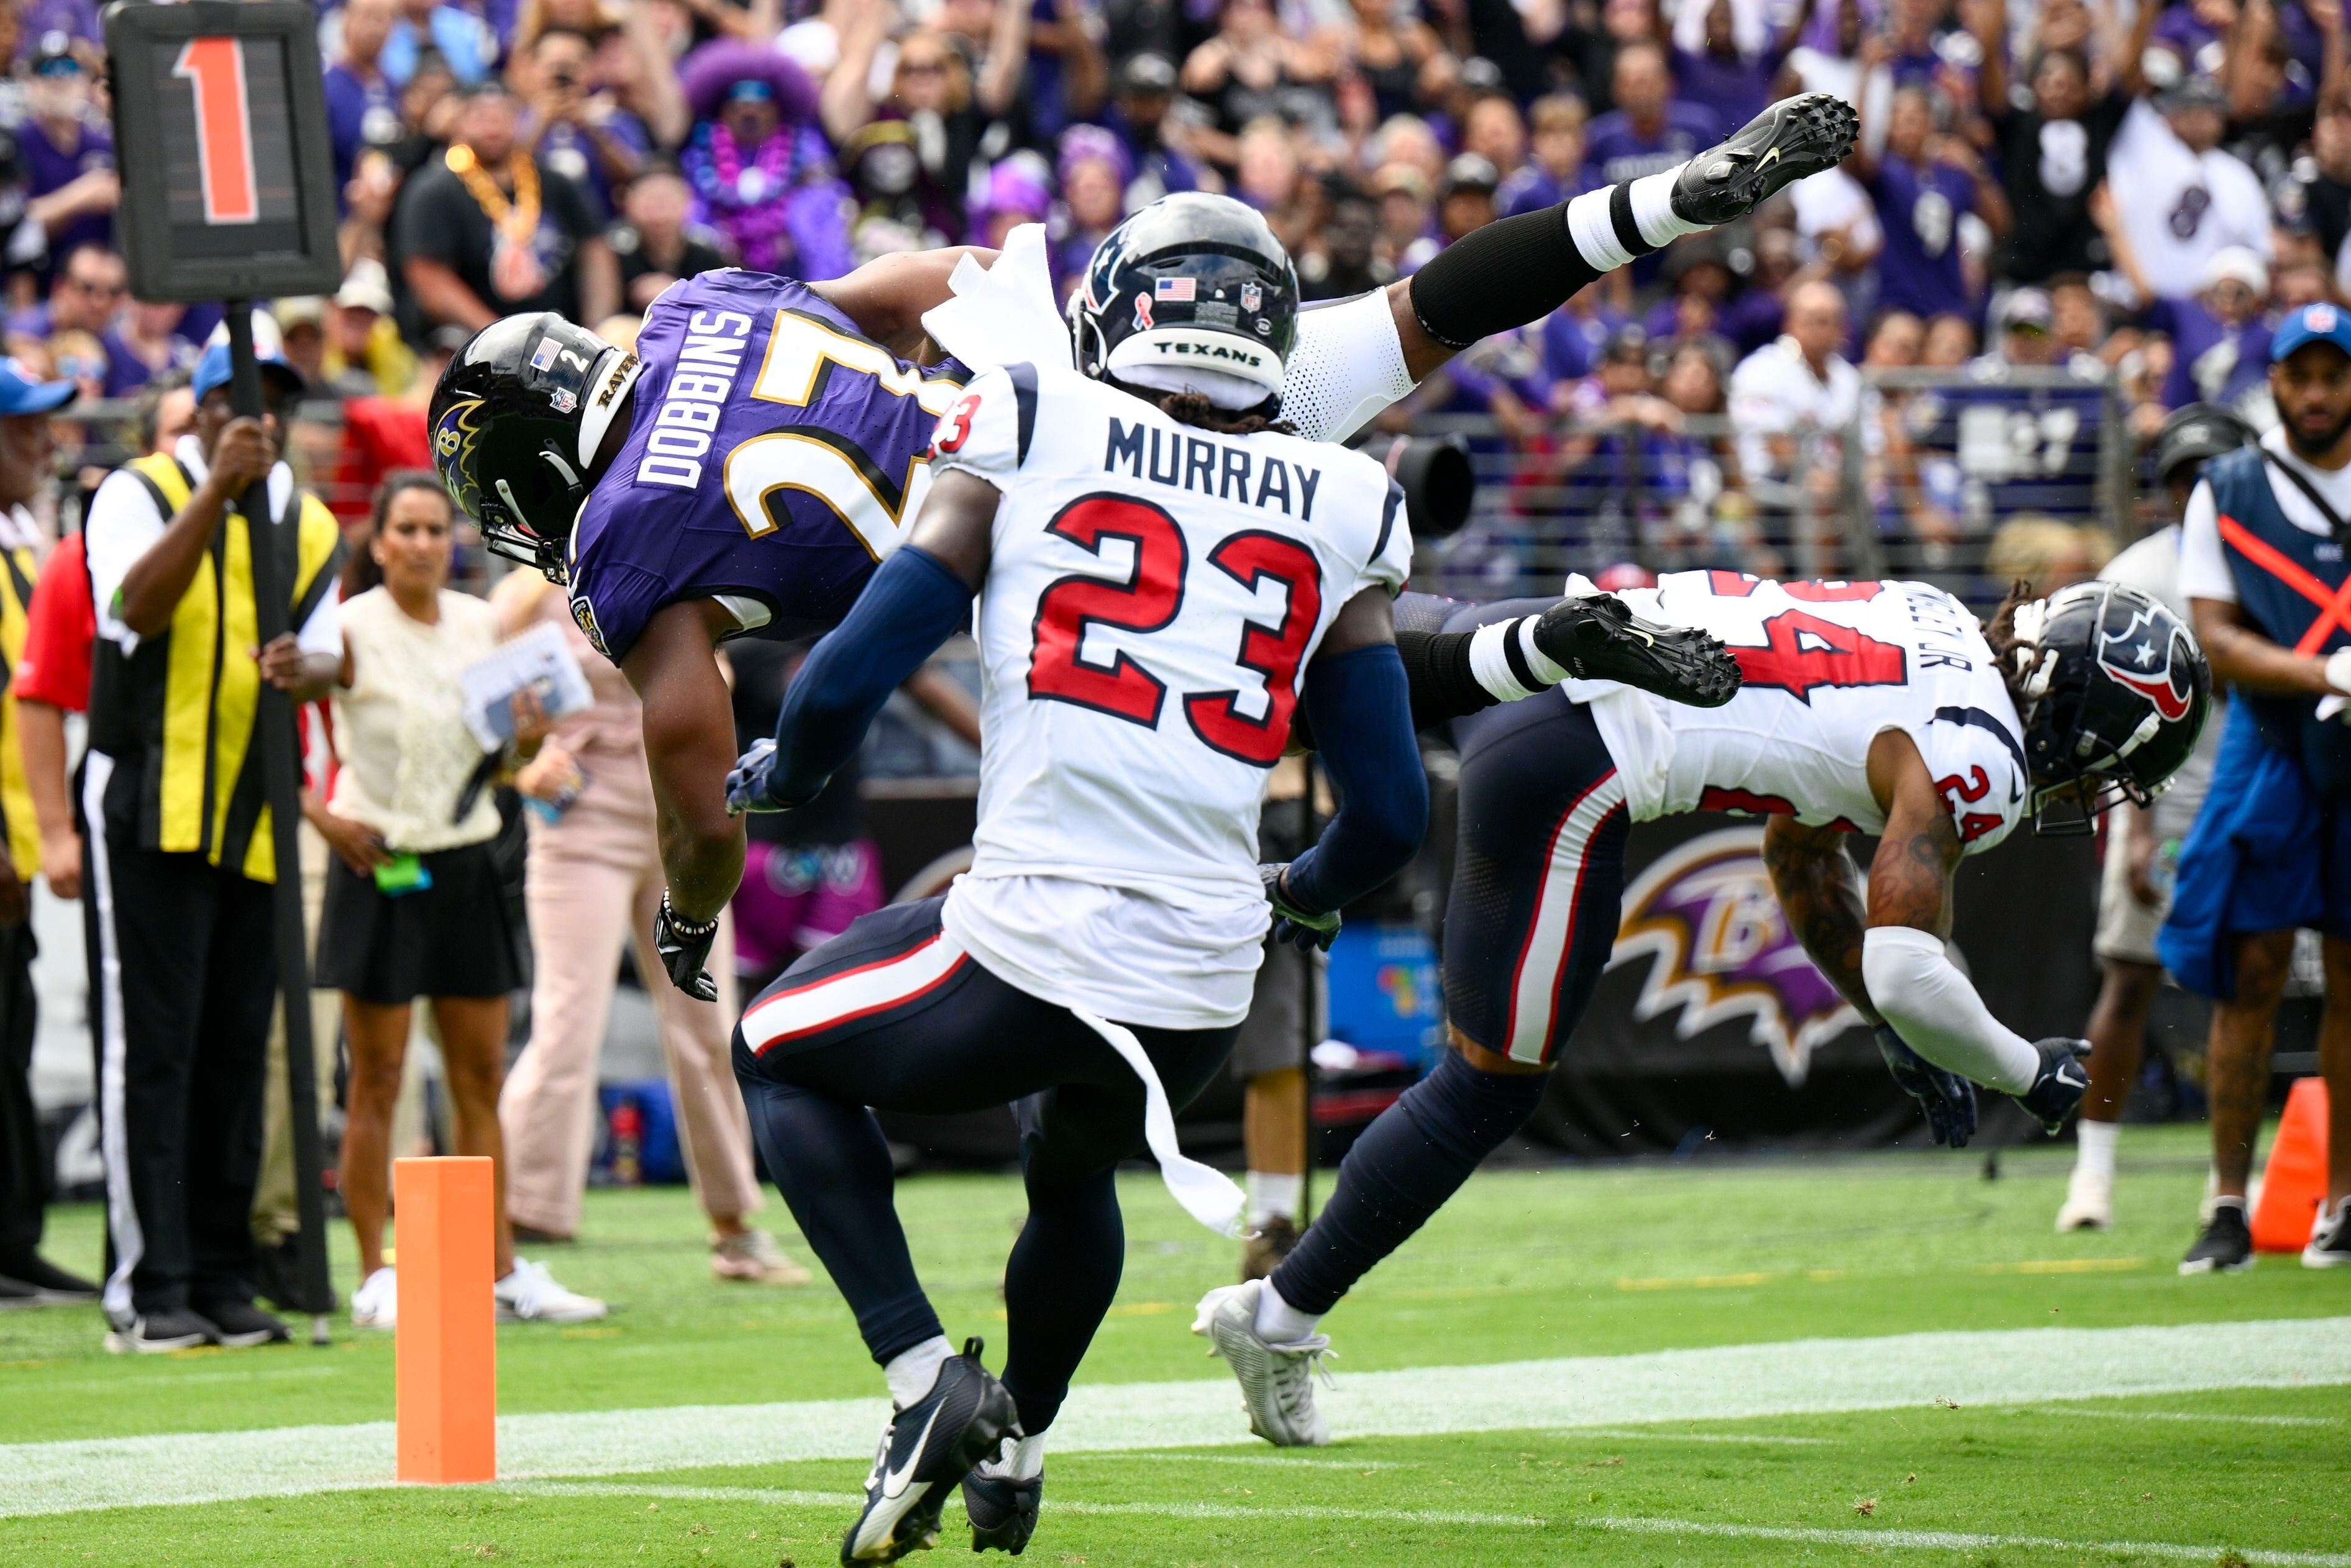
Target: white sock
point(1029, 1457)
point(1652, 208)
point(912, 1372)
point(2094, 1150)
point(1274, 1194)
point(1279, 1322)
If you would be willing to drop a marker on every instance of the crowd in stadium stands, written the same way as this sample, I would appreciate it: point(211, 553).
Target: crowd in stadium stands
point(2063, 220)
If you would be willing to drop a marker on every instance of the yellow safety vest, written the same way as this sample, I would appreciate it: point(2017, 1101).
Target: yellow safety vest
point(177, 715)
point(22, 834)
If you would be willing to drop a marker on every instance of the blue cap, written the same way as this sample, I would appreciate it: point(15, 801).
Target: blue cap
point(212, 370)
point(2320, 323)
point(21, 393)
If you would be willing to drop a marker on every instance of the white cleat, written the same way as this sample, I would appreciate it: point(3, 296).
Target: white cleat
point(531, 1294)
point(2089, 1203)
point(376, 1304)
point(1276, 1380)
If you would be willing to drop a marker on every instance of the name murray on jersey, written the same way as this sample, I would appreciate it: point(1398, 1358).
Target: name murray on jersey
point(1181, 461)
point(699, 385)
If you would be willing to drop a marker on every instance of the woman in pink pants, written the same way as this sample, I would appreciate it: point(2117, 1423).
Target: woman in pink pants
point(595, 880)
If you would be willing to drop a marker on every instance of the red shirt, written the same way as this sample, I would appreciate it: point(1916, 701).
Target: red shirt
point(60, 629)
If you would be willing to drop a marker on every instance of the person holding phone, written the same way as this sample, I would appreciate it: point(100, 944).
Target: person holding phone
point(412, 906)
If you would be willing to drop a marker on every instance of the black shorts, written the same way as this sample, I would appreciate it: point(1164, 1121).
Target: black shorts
point(451, 939)
point(1538, 871)
point(891, 1014)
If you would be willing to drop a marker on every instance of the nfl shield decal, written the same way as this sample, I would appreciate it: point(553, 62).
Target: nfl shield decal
point(1719, 949)
point(1252, 297)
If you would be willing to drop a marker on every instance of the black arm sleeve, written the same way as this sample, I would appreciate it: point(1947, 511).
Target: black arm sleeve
point(1512, 272)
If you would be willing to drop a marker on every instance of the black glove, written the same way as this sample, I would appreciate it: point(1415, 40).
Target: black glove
point(1948, 1099)
point(1298, 927)
point(684, 948)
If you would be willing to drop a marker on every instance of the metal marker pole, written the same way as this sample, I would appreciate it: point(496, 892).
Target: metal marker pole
point(281, 773)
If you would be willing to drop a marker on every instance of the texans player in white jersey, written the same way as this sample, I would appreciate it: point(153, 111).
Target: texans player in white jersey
point(1160, 583)
point(1873, 707)
point(746, 475)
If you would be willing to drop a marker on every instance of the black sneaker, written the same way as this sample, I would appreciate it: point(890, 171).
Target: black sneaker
point(1792, 139)
point(925, 1451)
point(2062, 1082)
point(153, 1334)
point(48, 1285)
point(1002, 1507)
point(2330, 1238)
point(1262, 1254)
point(2225, 1248)
point(1598, 638)
point(241, 1325)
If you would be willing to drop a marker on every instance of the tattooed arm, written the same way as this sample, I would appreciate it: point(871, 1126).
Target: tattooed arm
point(1813, 878)
point(1910, 876)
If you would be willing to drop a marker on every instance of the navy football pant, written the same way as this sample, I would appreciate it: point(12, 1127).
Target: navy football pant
point(892, 1015)
point(1538, 888)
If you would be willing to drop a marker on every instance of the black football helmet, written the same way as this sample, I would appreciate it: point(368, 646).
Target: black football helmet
point(1191, 282)
point(2197, 433)
point(516, 421)
point(2115, 693)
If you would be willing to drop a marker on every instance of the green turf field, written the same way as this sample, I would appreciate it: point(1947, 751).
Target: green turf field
point(1717, 1455)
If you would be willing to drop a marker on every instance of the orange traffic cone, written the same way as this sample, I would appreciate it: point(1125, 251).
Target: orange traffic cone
point(2295, 1182)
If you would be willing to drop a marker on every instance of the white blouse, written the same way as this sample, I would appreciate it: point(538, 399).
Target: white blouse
point(400, 727)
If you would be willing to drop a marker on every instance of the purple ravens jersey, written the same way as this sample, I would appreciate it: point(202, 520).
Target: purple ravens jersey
point(775, 455)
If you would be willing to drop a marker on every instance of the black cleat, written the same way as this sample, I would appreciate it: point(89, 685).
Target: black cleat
point(2061, 1085)
point(241, 1325)
point(1002, 1507)
point(153, 1334)
point(1598, 638)
point(926, 1450)
point(2227, 1245)
point(1794, 138)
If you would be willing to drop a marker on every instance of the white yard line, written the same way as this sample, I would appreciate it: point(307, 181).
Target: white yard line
point(1902, 1539)
point(2200, 1417)
point(1722, 1382)
point(1957, 1541)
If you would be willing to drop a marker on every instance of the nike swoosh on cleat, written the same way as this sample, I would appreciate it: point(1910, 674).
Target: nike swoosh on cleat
point(894, 1481)
point(1767, 160)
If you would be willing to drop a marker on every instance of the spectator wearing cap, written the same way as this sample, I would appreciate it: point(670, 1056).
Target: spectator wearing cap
point(1706, 300)
point(654, 244)
point(66, 152)
point(1092, 173)
point(574, 128)
point(1465, 201)
point(2221, 337)
point(27, 453)
point(2027, 319)
point(2052, 151)
point(1921, 186)
point(1139, 118)
point(460, 40)
point(1798, 384)
point(181, 855)
point(1404, 193)
point(488, 230)
point(761, 173)
point(1553, 169)
point(366, 342)
point(2183, 198)
point(362, 101)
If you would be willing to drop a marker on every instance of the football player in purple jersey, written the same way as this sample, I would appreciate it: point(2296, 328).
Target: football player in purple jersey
point(748, 466)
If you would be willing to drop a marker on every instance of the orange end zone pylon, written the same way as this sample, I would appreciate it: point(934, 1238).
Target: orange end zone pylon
point(2295, 1182)
point(446, 1349)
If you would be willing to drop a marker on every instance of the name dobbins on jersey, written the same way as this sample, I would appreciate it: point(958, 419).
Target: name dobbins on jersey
point(706, 367)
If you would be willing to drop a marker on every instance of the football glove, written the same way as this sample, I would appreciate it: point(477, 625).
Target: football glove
point(747, 786)
point(1298, 927)
point(1948, 1099)
point(685, 949)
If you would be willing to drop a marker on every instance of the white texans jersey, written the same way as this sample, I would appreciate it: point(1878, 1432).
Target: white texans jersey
point(1827, 667)
point(1153, 595)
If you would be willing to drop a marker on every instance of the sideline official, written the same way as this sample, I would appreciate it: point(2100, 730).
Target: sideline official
point(180, 853)
point(2262, 564)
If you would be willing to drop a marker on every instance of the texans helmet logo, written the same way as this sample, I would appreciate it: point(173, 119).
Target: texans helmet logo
point(2139, 656)
point(1719, 950)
